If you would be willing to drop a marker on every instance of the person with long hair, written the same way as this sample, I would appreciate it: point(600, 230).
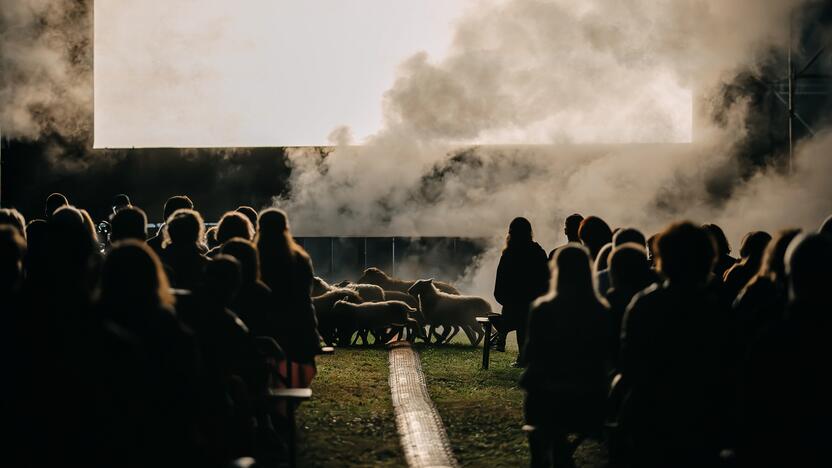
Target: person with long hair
point(287, 270)
point(183, 251)
point(567, 351)
point(522, 277)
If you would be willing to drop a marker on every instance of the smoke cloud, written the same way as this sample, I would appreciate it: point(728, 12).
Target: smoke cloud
point(560, 74)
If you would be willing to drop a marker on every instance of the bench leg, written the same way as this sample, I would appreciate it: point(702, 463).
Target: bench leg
point(486, 346)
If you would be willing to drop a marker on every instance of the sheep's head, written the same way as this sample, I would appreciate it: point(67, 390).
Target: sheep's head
point(343, 284)
point(373, 275)
point(319, 286)
point(421, 287)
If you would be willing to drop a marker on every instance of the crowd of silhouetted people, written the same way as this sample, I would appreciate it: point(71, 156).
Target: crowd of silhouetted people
point(128, 348)
point(124, 349)
point(670, 349)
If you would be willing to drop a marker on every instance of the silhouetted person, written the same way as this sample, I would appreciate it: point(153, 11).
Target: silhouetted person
point(12, 253)
point(522, 277)
point(225, 340)
point(826, 227)
point(249, 213)
point(129, 222)
point(762, 303)
point(12, 217)
point(183, 252)
point(571, 225)
point(37, 243)
point(751, 253)
point(120, 201)
point(286, 268)
point(53, 202)
point(628, 236)
point(602, 277)
point(567, 351)
point(786, 404)
point(134, 293)
point(177, 202)
point(630, 274)
point(724, 261)
point(677, 358)
point(254, 303)
point(231, 225)
point(595, 233)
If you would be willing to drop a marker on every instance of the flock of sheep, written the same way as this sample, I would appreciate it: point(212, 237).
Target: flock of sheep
point(386, 307)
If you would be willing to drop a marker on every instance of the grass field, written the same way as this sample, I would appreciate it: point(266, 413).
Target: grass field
point(350, 420)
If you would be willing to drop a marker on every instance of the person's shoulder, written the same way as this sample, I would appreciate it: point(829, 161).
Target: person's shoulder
point(648, 297)
point(538, 250)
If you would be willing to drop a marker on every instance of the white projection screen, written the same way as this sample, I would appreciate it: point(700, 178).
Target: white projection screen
point(219, 73)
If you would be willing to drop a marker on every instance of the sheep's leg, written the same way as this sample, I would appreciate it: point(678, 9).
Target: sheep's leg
point(432, 332)
point(471, 334)
point(454, 332)
point(443, 337)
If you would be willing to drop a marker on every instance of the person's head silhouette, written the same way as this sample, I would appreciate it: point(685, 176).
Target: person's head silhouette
point(249, 213)
point(13, 218)
point(184, 227)
point(594, 233)
point(128, 223)
point(826, 227)
point(177, 202)
point(809, 269)
point(718, 235)
point(53, 202)
point(628, 235)
point(572, 272)
point(571, 226)
point(234, 224)
point(121, 201)
point(629, 267)
point(246, 253)
point(132, 276)
point(774, 257)
point(685, 254)
point(222, 278)
point(12, 253)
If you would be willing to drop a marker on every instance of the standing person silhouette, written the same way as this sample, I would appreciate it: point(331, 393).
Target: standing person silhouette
point(522, 277)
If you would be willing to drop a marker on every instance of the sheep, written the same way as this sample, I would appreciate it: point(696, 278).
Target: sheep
point(375, 276)
point(376, 316)
point(323, 310)
point(450, 310)
point(369, 292)
point(320, 286)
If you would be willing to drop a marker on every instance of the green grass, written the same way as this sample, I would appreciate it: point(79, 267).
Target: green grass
point(482, 409)
point(350, 420)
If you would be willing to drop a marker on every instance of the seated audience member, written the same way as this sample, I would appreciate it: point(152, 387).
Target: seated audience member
point(37, 239)
point(53, 202)
point(751, 257)
point(785, 392)
point(287, 270)
point(567, 352)
point(178, 202)
point(231, 225)
point(595, 233)
point(570, 228)
point(522, 277)
point(630, 274)
point(826, 227)
point(677, 358)
point(183, 252)
point(227, 345)
point(120, 201)
point(762, 302)
point(724, 261)
point(628, 236)
point(253, 304)
point(249, 213)
point(129, 222)
point(211, 238)
point(12, 253)
point(602, 278)
point(134, 293)
point(13, 218)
